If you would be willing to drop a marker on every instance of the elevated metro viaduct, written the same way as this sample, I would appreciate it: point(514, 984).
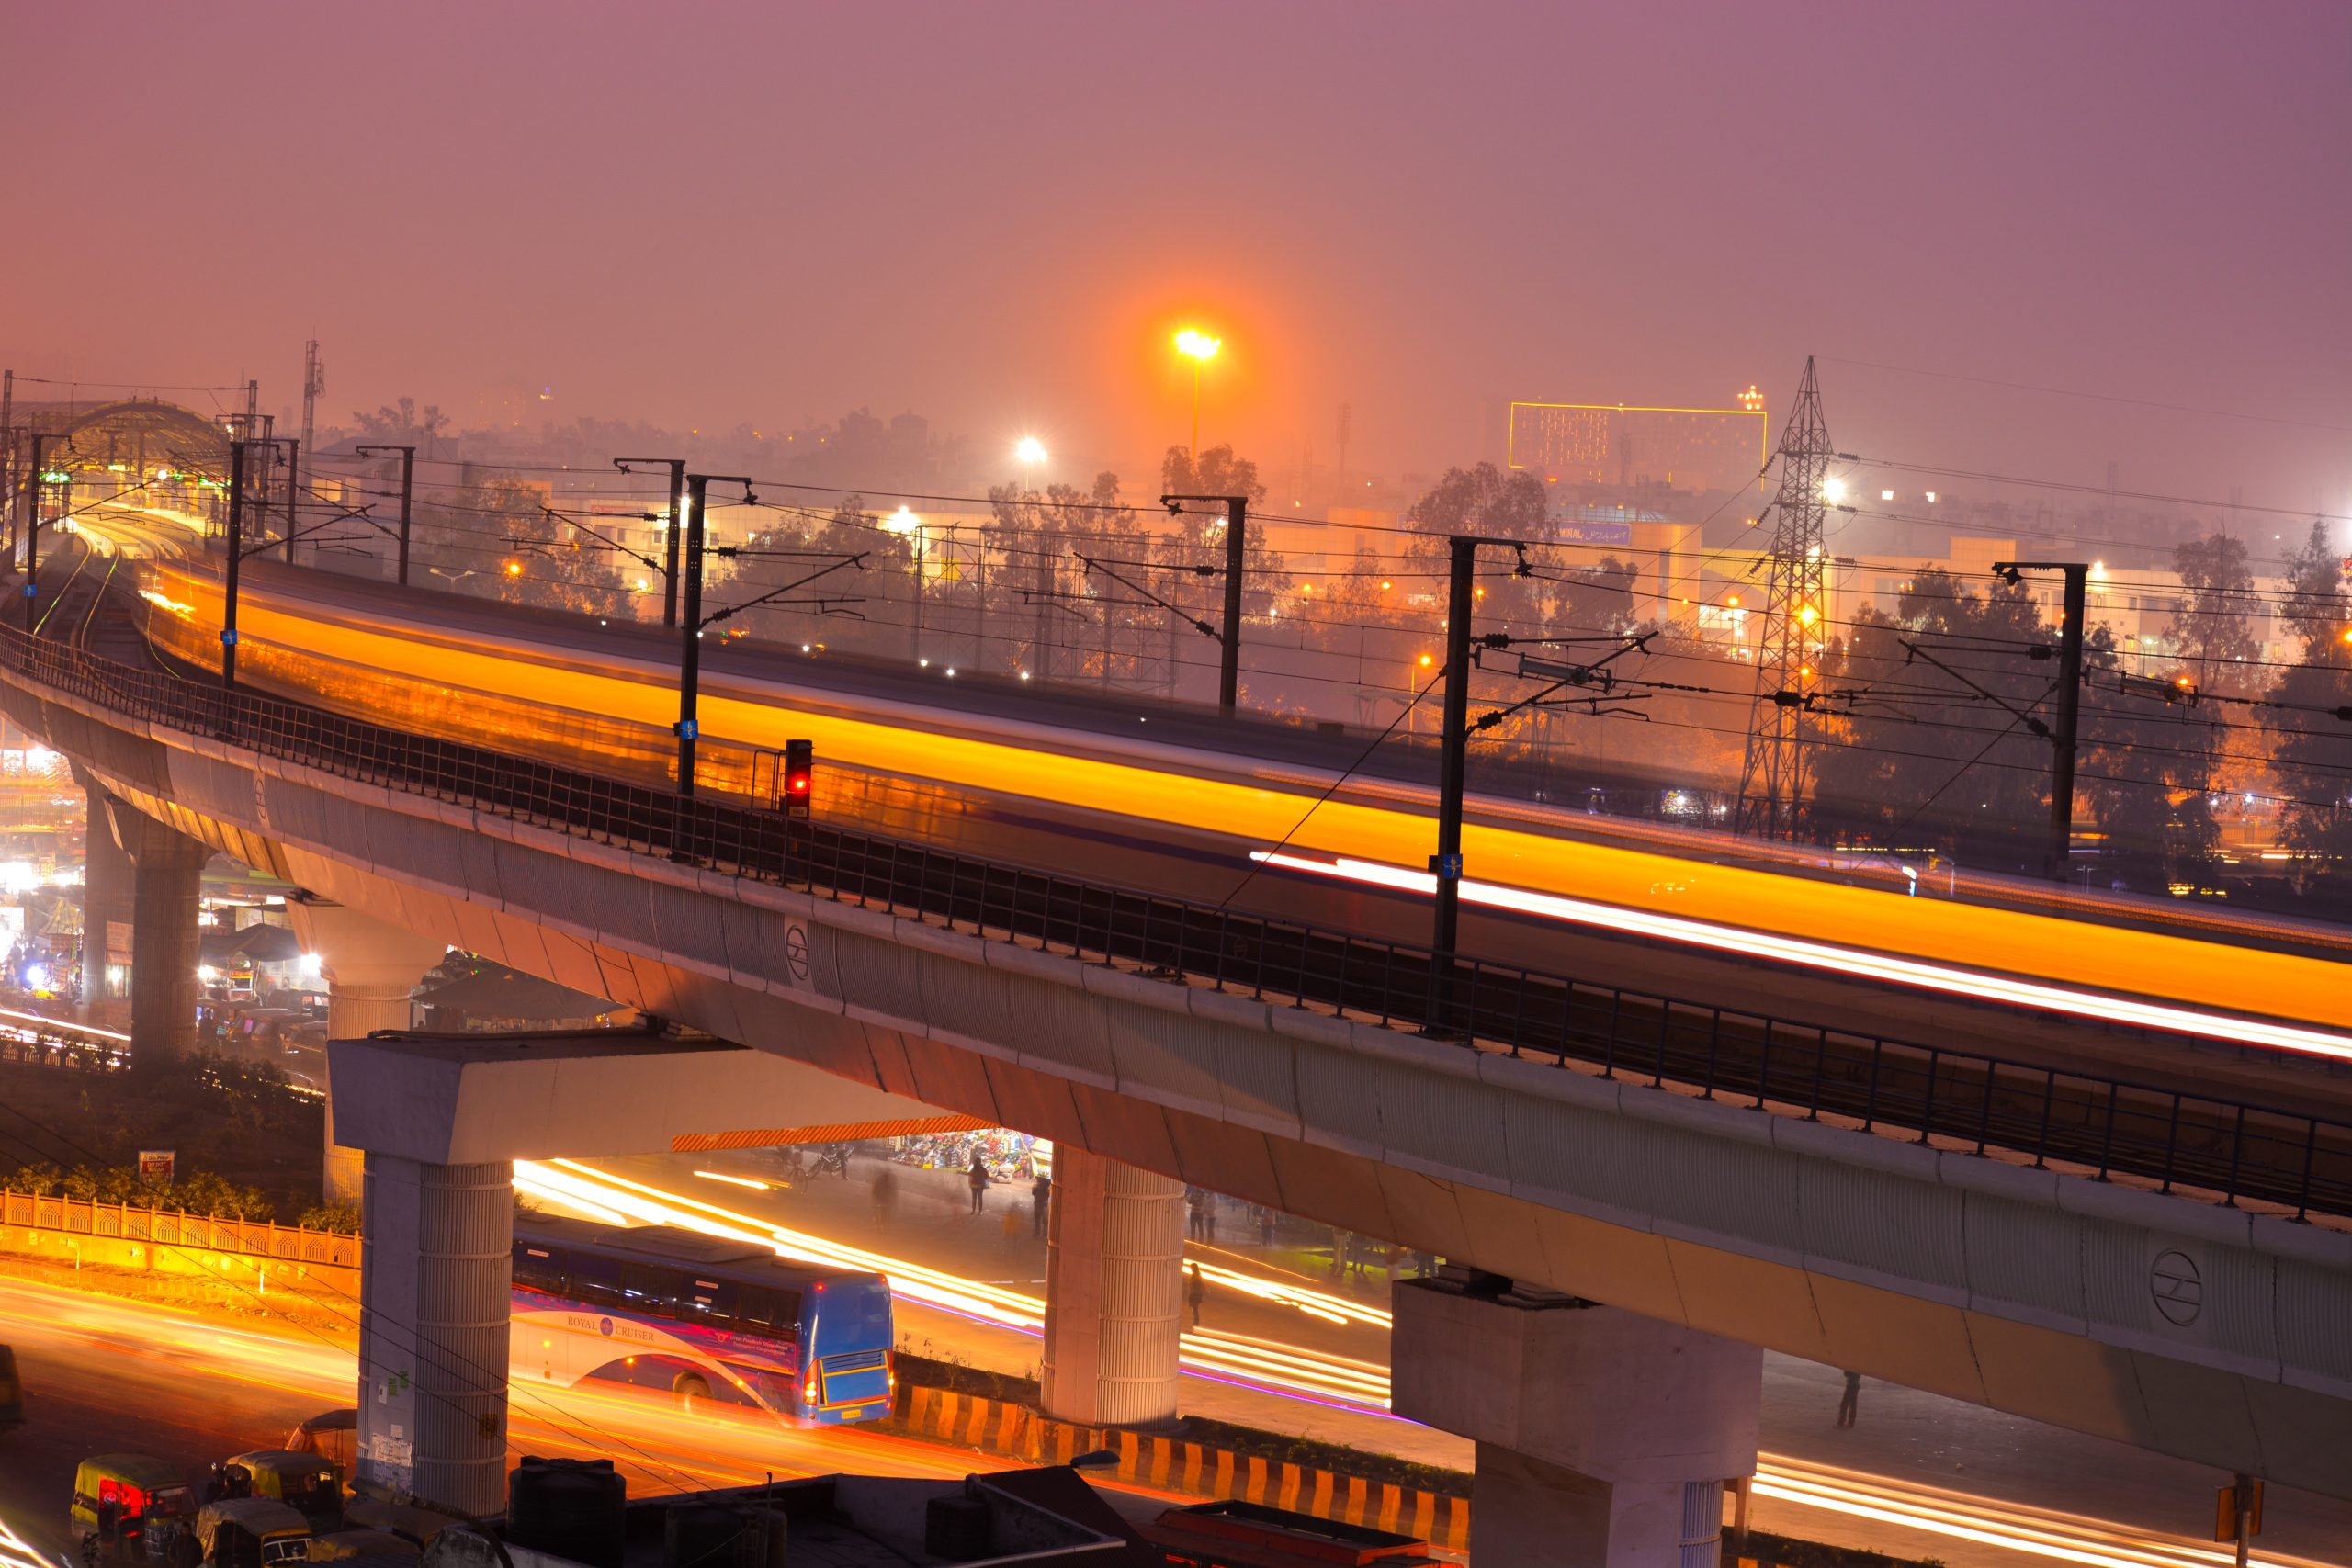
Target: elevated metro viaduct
point(1711, 1228)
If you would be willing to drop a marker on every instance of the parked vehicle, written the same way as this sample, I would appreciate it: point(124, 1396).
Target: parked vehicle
point(125, 1500)
point(307, 1482)
point(251, 1532)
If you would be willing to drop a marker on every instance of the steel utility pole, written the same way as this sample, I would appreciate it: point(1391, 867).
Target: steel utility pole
point(677, 466)
point(1237, 523)
point(35, 484)
point(314, 382)
point(8, 451)
point(408, 495)
point(236, 554)
point(690, 638)
point(293, 487)
point(2059, 855)
point(1453, 732)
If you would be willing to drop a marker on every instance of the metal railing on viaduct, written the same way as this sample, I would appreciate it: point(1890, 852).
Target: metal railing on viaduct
point(2102, 1126)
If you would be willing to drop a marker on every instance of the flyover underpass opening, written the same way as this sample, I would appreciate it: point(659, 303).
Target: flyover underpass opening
point(2238, 1151)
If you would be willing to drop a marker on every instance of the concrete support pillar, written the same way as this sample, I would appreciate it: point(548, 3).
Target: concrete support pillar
point(108, 880)
point(370, 968)
point(1114, 1292)
point(1603, 1438)
point(168, 878)
point(435, 1259)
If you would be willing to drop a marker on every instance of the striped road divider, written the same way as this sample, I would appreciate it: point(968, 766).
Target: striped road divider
point(1173, 1464)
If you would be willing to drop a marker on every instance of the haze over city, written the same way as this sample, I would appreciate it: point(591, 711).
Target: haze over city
point(738, 213)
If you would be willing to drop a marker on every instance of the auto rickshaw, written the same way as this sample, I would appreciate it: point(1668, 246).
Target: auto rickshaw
point(12, 1391)
point(332, 1434)
point(307, 1482)
point(118, 1497)
point(251, 1532)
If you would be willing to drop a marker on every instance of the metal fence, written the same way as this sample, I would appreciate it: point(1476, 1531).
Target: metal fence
point(2103, 1126)
point(171, 1227)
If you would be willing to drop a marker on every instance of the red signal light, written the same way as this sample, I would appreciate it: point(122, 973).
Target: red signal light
point(799, 776)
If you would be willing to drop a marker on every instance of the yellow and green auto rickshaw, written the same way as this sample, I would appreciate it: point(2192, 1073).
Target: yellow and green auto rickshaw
point(12, 1391)
point(308, 1483)
point(251, 1532)
point(117, 1498)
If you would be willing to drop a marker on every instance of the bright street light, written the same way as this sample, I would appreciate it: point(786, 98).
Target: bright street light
point(1200, 346)
point(1200, 349)
point(1030, 450)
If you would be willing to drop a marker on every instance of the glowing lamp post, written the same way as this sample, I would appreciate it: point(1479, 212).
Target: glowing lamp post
point(1200, 349)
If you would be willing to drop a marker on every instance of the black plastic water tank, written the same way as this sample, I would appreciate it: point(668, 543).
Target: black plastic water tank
point(956, 1527)
point(571, 1507)
point(710, 1535)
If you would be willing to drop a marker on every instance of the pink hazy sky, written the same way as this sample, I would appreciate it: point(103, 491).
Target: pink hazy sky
point(709, 213)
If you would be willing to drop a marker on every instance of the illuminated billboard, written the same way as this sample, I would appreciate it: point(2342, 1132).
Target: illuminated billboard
point(1692, 449)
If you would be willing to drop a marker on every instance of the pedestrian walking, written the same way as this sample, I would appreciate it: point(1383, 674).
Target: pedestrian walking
point(1196, 1205)
point(1041, 1201)
point(1847, 1401)
point(978, 1178)
point(1196, 1290)
point(1012, 1226)
point(1339, 1239)
point(1265, 1225)
point(886, 1195)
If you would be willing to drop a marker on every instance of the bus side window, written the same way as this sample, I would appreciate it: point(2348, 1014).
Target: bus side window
point(787, 1314)
point(755, 1306)
point(596, 1281)
point(649, 1289)
point(709, 1301)
point(538, 1268)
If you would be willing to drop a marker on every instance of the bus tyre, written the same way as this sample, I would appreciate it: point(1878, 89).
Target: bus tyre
point(691, 1391)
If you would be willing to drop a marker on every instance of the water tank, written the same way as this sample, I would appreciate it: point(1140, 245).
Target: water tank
point(721, 1535)
point(956, 1527)
point(570, 1507)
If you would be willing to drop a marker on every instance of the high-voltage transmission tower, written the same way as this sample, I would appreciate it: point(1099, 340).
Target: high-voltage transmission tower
point(1773, 774)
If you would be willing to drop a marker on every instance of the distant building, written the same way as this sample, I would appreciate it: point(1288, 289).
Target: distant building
point(1695, 449)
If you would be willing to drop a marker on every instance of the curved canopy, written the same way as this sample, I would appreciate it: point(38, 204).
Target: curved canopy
point(139, 435)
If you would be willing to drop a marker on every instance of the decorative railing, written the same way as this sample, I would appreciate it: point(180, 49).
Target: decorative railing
point(172, 1227)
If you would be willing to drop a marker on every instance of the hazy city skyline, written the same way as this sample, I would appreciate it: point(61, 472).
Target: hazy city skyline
point(998, 219)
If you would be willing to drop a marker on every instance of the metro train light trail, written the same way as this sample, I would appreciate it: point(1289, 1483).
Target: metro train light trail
point(1848, 961)
point(1095, 781)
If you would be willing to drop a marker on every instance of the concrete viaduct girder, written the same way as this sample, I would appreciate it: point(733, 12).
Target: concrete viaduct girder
point(2043, 1294)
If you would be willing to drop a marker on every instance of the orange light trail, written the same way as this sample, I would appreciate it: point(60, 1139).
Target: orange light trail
point(1858, 961)
point(645, 1432)
point(1378, 822)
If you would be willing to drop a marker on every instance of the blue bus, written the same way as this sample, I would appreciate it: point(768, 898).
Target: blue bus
point(713, 1321)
